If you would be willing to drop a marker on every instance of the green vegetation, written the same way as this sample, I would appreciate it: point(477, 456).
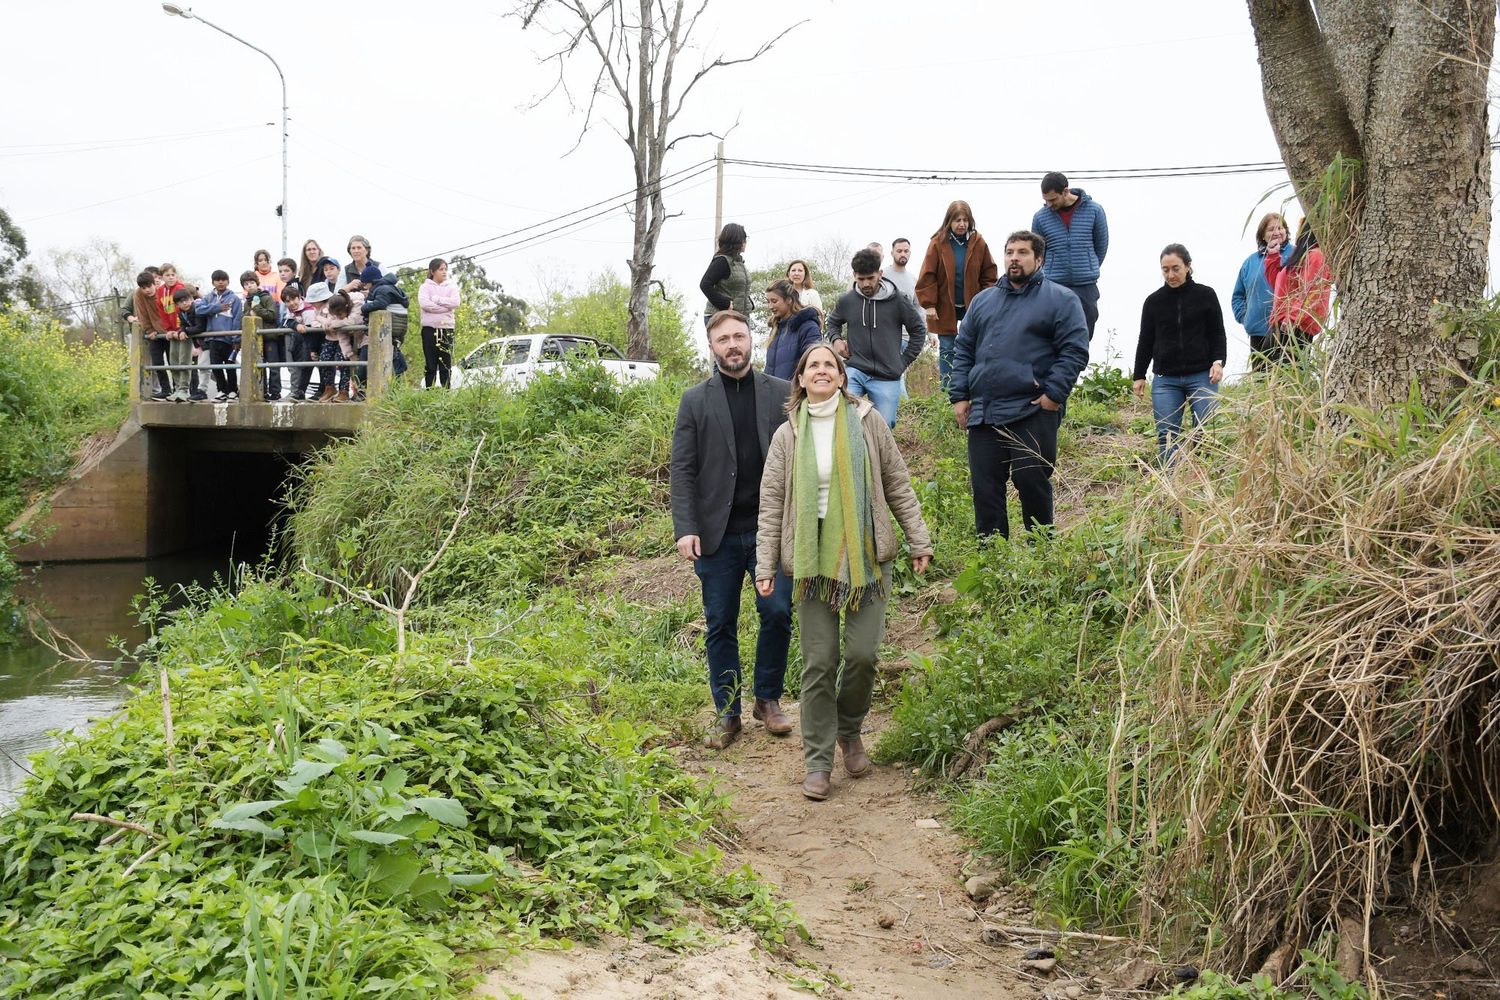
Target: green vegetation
point(308, 823)
point(53, 394)
point(1154, 675)
point(601, 310)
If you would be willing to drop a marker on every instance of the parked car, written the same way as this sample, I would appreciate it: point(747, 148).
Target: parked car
point(515, 361)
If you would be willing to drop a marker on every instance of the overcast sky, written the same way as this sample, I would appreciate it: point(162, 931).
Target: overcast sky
point(413, 124)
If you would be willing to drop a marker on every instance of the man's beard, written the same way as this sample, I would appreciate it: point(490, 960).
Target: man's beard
point(729, 367)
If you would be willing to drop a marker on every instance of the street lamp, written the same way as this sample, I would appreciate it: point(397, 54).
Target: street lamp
point(175, 11)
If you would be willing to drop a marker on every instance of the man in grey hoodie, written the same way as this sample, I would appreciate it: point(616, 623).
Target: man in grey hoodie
point(866, 328)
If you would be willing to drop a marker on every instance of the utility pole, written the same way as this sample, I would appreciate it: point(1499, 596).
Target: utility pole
point(718, 193)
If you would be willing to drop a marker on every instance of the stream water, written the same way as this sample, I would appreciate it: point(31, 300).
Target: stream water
point(41, 694)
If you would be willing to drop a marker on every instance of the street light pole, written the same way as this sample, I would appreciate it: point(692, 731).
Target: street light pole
point(176, 11)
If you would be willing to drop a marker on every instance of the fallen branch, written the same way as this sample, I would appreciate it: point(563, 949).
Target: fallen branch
point(413, 581)
point(1077, 935)
point(143, 859)
point(111, 821)
point(166, 715)
point(974, 754)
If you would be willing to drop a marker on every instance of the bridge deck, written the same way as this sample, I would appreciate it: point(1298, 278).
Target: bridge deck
point(331, 418)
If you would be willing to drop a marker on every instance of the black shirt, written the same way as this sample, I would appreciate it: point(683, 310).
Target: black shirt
point(749, 460)
point(1182, 330)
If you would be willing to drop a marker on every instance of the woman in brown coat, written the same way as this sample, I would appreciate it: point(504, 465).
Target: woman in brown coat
point(957, 267)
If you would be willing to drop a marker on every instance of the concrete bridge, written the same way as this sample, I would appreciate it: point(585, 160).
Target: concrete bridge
point(175, 473)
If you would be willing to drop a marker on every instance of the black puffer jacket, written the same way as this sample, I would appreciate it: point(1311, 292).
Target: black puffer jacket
point(382, 295)
point(1182, 331)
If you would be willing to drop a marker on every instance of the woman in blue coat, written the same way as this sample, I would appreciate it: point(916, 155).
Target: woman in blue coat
point(1251, 300)
point(795, 329)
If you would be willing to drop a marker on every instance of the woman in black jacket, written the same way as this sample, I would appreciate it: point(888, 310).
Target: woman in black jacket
point(1182, 340)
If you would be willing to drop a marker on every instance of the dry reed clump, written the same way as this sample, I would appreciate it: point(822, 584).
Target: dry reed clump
point(1322, 721)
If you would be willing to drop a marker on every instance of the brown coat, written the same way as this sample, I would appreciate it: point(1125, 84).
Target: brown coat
point(935, 282)
point(148, 314)
point(890, 493)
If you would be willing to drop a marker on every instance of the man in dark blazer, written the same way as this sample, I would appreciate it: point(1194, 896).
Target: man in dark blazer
point(719, 446)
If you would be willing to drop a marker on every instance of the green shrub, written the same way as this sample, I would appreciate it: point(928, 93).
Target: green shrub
point(571, 468)
point(52, 393)
point(337, 816)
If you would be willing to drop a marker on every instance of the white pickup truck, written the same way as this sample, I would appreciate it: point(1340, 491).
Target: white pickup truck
point(515, 361)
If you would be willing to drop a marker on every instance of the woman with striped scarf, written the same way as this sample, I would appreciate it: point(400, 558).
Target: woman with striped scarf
point(832, 481)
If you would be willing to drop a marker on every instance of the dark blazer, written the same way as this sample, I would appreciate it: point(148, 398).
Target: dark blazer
point(703, 456)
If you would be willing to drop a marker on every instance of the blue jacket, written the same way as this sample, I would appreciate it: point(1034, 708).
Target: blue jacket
point(1015, 344)
point(1074, 252)
point(230, 322)
point(1251, 300)
point(794, 335)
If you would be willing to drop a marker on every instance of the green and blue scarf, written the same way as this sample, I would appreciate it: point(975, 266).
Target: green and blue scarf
point(836, 564)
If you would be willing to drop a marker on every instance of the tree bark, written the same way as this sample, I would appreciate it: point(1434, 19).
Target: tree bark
point(1401, 88)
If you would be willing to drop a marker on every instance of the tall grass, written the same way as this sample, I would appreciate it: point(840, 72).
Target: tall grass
point(1321, 706)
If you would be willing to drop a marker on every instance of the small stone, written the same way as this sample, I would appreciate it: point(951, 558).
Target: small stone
point(886, 920)
point(981, 887)
point(1042, 965)
point(970, 916)
point(928, 823)
point(1073, 992)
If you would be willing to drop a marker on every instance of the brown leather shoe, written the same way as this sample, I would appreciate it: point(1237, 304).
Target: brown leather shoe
point(856, 761)
point(725, 732)
point(815, 785)
point(769, 712)
point(327, 394)
point(340, 397)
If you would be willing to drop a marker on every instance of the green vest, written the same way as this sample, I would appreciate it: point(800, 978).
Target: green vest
point(735, 288)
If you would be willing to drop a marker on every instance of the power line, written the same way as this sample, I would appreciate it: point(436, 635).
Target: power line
point(661, 185)
point(907, 174)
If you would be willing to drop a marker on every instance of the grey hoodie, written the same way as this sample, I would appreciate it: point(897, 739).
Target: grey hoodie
point(874, 327)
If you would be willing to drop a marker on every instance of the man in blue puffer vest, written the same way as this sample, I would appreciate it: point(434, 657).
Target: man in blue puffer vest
point(1018, 353)
point(1077, 235)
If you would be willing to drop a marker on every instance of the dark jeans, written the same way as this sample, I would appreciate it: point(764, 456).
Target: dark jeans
point(225, 379)
point(156, 347)
point(1089, 296)
point(1257, 353)
point(1023, 452)
point(1285, 344)
point(722, 576)
point(437, 356)
point(272, 352)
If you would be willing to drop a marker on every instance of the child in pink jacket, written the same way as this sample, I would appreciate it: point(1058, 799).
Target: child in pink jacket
point(438, 299)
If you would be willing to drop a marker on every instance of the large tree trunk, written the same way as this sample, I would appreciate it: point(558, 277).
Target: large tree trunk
point(1401, 88)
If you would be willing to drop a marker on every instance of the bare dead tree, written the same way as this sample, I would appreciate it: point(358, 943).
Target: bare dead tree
point(636, 44)
point(1399, 86)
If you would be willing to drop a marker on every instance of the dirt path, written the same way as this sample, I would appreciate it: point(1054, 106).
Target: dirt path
point(874, 871)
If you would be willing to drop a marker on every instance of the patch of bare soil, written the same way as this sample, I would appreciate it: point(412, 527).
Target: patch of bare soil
point(654, 582)
point(1458, 961)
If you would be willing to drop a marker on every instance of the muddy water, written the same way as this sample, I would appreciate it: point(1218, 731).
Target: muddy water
point(41, 694)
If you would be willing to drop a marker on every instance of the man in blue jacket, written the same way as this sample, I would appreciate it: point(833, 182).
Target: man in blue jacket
point(1077, 236)
point(1019, 351)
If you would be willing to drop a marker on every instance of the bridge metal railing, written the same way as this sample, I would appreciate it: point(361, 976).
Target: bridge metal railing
point(252, 366)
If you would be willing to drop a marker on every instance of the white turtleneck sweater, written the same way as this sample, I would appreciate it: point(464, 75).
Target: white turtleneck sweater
point(820, 419)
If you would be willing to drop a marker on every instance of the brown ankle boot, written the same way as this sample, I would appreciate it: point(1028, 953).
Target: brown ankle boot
point(815, 785)
point(856, 761)
point(725, 732)
point(769, 712)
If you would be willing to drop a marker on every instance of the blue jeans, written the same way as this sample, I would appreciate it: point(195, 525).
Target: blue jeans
point(722, 576)
point(1171, 396)
point(885, 394)
point(945, 358)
